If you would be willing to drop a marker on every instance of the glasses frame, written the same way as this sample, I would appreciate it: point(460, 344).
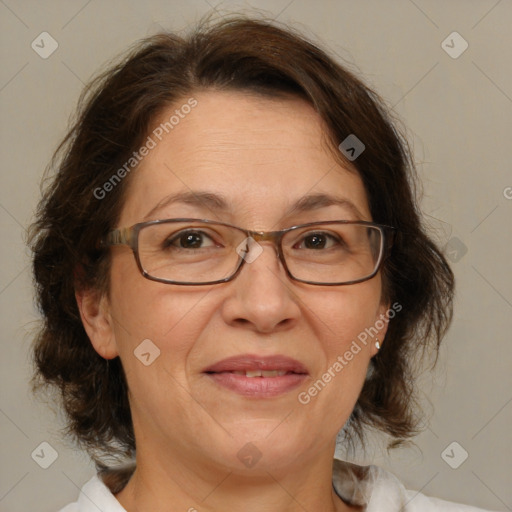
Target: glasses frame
point(129, 236)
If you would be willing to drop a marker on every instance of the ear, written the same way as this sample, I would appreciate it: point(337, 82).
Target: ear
point(381, 324)
point(95, 314)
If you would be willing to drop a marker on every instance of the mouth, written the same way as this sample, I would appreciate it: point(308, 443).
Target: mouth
point(258, 376)
point(261, 373)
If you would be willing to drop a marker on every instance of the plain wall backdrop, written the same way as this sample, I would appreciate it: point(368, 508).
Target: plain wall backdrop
point(457, 105)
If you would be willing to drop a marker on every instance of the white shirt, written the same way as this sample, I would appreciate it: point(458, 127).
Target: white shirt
point(374, 488)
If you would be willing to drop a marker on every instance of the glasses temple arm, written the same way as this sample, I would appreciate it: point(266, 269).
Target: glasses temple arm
point(123, 236)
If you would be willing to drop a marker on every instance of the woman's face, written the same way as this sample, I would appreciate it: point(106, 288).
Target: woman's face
point(261, 156)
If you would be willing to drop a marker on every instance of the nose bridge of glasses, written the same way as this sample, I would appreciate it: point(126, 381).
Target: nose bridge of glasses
point(265, 236)
point(274, 237)
point(271, 238)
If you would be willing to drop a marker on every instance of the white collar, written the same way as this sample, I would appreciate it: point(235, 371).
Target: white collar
point(371, 487)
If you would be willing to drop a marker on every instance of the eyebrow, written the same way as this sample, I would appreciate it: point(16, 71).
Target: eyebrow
point(217, 203)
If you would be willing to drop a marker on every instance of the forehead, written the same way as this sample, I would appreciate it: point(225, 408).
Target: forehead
point(261, 155)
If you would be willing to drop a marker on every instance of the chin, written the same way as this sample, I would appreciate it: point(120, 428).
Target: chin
point(261, 448)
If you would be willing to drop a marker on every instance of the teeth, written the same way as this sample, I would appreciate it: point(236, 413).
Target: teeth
point(273, 373)
point(261, 373)
point(255, 373)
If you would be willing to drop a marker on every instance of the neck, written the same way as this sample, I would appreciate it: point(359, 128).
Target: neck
point(188, 487)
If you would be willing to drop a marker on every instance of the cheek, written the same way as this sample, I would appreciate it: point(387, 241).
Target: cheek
point(343, 319)
point(347, 314)
point(171, 317)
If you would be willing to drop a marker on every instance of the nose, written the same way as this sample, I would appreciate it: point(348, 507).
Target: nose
point(261, 296)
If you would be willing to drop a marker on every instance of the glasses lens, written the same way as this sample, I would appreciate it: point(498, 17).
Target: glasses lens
point(333, 253)
point(192, 252)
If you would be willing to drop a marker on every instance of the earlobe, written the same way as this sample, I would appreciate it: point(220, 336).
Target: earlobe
point(97, 321)
point(381, 324)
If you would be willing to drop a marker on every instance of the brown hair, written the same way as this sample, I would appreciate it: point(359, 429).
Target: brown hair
point(115, 115)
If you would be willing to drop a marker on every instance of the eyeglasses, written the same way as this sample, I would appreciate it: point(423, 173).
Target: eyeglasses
point(198, 252)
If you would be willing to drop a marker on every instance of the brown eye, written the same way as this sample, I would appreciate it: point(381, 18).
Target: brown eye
point(189, 240)
point(317, 241)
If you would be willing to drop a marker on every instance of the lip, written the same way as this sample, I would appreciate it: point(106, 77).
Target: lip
point(258, 387)
point(247, 362)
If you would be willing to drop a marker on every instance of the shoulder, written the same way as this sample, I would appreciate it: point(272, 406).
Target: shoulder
point(378, 490)
point(94, 496)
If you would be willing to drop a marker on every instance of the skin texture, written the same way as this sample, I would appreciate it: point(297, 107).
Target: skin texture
point(262, 155)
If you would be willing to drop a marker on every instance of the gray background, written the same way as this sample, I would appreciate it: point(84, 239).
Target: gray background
point(459, 118)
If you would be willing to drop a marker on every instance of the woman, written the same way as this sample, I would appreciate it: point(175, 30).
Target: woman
point(232, 269)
